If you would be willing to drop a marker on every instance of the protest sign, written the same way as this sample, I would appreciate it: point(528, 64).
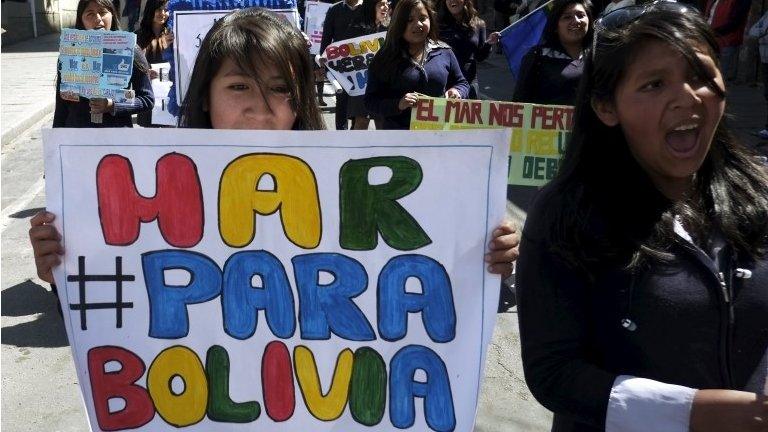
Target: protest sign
point(314, 17)
point(189, 29)
point(539, 132)
point(348, 61)
point(160, 87)
point(96, 64)
point(277, 281)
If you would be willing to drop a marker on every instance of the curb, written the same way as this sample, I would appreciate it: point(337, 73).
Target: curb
point(15, 130)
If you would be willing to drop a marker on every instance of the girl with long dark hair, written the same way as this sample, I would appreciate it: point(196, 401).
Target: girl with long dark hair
point(550, 72)
point(463, 29)
point(153, 35)
point(101, 15)
point(412, 61)
point(643, 277)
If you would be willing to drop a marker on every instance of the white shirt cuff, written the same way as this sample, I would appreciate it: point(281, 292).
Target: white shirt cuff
point(640, 405)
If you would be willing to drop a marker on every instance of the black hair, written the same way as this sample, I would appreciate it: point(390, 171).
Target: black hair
point(550, 37)
point(393, 56)
point(252, 37)
point(368, 11)
point(607, 203)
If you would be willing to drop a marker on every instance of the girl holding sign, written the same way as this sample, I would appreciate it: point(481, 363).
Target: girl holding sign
point(258, 77)
point(412, 61)
point(643, 277)
point(75, 111)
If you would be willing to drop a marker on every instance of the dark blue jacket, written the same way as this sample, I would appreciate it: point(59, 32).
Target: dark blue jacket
point(441, 72)
point(698, 323)
point(468, 45)
point(548, 76)
point(78, 114)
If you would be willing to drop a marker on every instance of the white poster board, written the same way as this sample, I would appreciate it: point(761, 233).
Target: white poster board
point(348, 61)
point(189, 29)
point(292, 281)
point(161, 85)
point(314, 18)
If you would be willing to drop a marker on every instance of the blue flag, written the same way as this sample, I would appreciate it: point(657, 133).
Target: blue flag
point(517, 39)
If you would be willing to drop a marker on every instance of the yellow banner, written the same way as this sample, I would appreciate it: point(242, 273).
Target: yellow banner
point(539, 132)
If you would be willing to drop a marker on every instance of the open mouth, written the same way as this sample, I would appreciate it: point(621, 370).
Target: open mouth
point(683, 140)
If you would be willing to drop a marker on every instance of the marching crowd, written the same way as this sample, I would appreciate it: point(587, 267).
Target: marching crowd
point(642, 278)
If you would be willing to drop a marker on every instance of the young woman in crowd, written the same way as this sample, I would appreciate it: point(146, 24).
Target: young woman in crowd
point(153, 37)
point(101, 15)
point(412, 61)
point(259, 76)
point(643, 277)
point(550, 72)
point(373, 18)
point(465, 32)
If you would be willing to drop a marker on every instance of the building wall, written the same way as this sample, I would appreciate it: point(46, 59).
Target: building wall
point(17, 19)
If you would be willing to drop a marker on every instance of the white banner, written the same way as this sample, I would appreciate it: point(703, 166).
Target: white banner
point(348, 61)
point(314, 17)
point(160, 87)
point(277, 281)
point(189, 30)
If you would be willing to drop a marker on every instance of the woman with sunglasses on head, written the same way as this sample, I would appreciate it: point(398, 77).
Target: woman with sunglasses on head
point(643, 276)
point(550, 72)
point(463, 29)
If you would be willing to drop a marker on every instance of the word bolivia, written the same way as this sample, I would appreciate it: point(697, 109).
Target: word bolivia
point(360, 378)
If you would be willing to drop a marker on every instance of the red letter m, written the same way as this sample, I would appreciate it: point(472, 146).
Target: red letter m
point(177, 204)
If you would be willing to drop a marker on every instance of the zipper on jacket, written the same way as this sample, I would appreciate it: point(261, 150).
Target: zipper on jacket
point(726, 338)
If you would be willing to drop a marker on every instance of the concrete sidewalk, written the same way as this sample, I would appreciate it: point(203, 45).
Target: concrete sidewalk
point(28, 83)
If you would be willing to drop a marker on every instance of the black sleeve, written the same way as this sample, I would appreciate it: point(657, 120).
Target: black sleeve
point(61, 111)
point(553, 320)
point(328, 36)
point(483, 49)
point(525, 87)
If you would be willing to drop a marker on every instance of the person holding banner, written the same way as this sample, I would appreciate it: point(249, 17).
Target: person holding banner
point(373, 18)
point(643, 274)
point(101, 15)
point(336, 27)
point(550, 72)
point(412, 61)
point(465, 32)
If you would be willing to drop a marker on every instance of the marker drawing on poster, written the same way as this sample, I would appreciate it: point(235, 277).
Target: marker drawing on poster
point(348, 61)
point(243, 280)
point(539, 132)
point(314, 18)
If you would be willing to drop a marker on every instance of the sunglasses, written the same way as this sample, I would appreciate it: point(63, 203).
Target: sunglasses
point(619, 18)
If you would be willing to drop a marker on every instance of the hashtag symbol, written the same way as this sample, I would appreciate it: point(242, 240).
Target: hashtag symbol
point(118, 278)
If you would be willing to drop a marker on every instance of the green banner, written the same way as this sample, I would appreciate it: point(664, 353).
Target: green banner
point(539, 132)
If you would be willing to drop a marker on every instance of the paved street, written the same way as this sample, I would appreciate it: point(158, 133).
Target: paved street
point(40, 389)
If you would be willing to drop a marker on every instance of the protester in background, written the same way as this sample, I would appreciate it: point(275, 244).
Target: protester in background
point(617, 4)
point(550, 72)
point(728, 19)
point(373, 18)
point(643, 277)
point(759, 31)
point(336, 28)
point(153, 37)
point(411, 62)
point(464, 31)
point(101, 15)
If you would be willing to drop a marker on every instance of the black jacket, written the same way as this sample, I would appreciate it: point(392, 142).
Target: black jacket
point(338, 24)
point(691, 329)
point(548, 76)
point(468, 45)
